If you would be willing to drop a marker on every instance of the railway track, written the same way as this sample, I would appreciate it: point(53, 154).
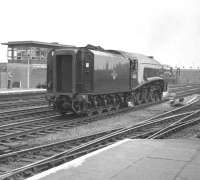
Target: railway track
point(13, 100)
point(145, 129)
point(22, 103)
point(35, 120)
point(21, 114)
point(26, 152)
point(180, 124)
point(21, 130)
point(41, 152)
point(46, 123)
point(9, 97)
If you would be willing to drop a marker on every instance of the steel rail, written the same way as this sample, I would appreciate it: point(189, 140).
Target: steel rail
point(66, 143)
point(80, 120)
point(175, 125)
point(23, 109)
point(137, 125)
point(22, 104)
point(110, 137)
point(67, 124)
point(147, 123)
point(57, 126)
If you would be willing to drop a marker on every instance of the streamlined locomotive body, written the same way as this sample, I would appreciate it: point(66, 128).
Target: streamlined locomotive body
point(92, 80)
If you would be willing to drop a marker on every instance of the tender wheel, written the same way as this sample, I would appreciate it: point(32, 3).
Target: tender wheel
point(62, 113)
point(89, 113)
point(77, 107)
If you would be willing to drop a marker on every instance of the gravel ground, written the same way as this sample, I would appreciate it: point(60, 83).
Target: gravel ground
point(123, 120)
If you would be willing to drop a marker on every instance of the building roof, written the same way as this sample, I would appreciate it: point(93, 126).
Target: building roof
point(17, 43)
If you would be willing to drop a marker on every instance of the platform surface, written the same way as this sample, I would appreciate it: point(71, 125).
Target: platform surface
point(20, 91)
point(133, 160)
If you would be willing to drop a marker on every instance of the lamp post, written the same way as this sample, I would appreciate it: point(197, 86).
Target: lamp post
point(28, 70)
point(28, 74)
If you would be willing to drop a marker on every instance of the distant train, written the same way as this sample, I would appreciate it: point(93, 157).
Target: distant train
point(88, 80)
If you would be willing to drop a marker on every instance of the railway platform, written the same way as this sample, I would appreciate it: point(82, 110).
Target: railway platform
point(20, 91)
point(129, 159)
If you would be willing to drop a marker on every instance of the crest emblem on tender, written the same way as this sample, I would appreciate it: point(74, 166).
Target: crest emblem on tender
point(114, 74)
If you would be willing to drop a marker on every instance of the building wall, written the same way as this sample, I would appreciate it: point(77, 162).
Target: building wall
point(3, 80)
point(3, 75)
point(38, 76)
point(18, 74)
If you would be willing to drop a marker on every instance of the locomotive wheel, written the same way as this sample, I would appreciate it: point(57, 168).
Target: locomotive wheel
point(151, 97)
point(116, 107)
point(156, 97)
point(160, 96)
point(145, 97)
point(110, 108)
point(138, 99)
point(145, 100)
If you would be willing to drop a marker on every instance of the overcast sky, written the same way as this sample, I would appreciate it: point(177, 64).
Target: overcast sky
point(167, 29)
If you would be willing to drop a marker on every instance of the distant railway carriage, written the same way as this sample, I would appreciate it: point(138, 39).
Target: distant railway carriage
point(90, 79)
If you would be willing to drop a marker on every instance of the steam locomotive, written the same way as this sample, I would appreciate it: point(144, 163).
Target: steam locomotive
point(89, 80)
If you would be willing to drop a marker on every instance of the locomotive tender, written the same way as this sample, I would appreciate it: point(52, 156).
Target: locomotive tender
point(87, 80)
